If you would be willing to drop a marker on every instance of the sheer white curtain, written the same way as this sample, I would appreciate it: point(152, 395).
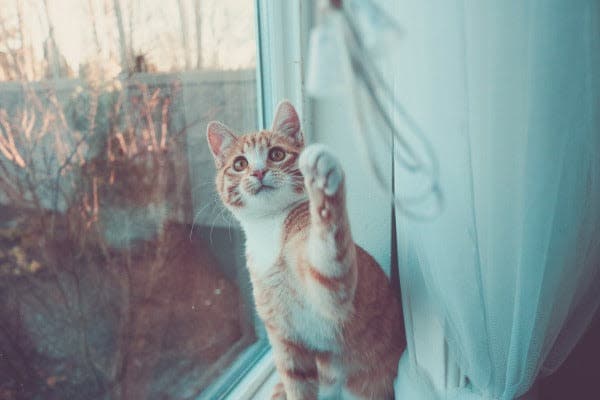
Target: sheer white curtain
point(506, 275)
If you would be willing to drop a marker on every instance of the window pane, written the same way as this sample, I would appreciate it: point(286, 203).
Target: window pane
point(121, 275)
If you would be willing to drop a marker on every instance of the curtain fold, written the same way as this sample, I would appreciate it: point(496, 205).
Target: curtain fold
point(508, 93)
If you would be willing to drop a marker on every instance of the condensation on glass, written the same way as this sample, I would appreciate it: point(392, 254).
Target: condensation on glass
point(121, 276)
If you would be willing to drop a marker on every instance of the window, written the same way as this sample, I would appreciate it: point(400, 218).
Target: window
point(121, 276)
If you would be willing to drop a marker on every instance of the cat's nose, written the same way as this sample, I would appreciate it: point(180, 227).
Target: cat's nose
point(259, 173)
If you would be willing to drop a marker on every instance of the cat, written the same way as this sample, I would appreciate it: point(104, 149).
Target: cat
point(333, 321)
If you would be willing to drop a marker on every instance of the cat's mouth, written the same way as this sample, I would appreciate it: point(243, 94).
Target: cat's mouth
point(262, 189)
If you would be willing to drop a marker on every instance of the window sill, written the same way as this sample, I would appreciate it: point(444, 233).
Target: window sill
point(258, 382)
point(244, 377)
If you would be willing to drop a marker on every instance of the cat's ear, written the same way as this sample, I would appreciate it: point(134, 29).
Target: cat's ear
point(286, 122)
point(220, 137)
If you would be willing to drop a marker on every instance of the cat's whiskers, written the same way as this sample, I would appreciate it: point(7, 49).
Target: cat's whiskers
point(214, 222)
point(213, 203)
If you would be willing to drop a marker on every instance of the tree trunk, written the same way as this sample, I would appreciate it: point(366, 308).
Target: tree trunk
point(53, 55)
point(94, 23)
point(198, 15)
point(122, 36)
point(184, 35)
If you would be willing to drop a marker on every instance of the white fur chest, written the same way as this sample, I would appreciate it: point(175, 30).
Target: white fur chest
point(263, 242)
point(316, 331)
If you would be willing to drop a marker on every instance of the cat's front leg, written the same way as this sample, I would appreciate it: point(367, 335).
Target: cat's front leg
point(330, 256)
point(297, 369)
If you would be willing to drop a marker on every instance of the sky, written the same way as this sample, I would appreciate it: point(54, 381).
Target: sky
point(153, 26)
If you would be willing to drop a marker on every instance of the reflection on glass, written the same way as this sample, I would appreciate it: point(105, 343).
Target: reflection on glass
point(120, 275)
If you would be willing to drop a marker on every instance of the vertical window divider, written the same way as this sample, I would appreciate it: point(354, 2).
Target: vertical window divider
point(282, 31)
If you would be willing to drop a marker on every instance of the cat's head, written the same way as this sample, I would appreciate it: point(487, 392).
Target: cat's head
point(257, 173)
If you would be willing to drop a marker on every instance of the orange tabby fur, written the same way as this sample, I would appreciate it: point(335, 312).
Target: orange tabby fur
point(332, 319)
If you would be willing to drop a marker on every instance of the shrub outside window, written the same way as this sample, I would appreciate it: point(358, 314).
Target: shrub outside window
point(121, 276)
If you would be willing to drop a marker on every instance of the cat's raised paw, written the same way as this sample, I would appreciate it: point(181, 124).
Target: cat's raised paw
point(321, 169)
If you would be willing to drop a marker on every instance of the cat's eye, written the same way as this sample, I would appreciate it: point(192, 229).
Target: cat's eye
point(240, 164)
point(276, 154)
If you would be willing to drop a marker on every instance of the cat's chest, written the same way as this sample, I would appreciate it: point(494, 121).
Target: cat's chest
point(263, 244)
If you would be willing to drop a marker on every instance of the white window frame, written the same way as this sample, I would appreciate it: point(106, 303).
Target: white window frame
point(282, 29)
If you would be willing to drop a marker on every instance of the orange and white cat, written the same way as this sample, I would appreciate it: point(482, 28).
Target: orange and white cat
point(332, 319)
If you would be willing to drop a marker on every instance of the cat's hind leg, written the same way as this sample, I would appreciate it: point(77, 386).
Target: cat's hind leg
point(367, 385)
point(331, 376)
point(297, 370)
point(278, 392)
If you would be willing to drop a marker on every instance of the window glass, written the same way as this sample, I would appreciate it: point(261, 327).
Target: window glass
point(121, 275)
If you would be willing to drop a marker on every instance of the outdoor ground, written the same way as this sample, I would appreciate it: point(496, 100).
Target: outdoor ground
point(158, 320)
